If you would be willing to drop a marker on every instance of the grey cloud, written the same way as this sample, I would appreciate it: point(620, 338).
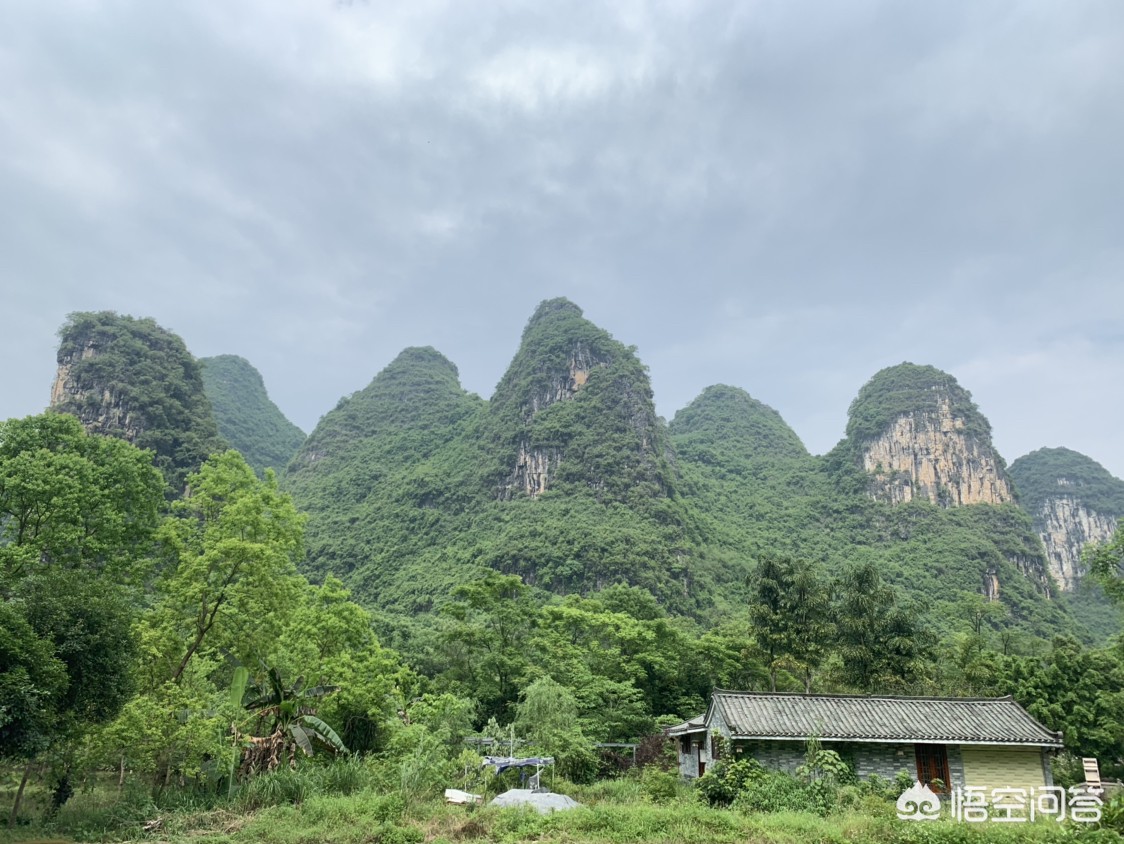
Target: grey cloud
point(781, 196)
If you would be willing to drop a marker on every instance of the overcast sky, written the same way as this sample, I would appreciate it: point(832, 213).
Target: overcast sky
point(784, 196)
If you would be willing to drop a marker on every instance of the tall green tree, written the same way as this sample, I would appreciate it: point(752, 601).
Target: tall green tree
point(1077, 691)
point(77, 518)
point(69, 500)
point(229, 575)
point(812, 620)
point(879, 640)
point(329, 640)
point(768, 611)
point(790, 607)
point(547, 716)
point(486, 642)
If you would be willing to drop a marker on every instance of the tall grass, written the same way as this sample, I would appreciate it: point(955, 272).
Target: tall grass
point(351, 804)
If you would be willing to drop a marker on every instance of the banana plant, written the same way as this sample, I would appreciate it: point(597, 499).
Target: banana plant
point(290, 713)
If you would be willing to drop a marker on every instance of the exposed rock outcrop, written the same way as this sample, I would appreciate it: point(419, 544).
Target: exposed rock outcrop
point(569, 390)
point(535, 465)
point(129, 378)
point(1066, 526)
point(927, 454)
point(918, 436)
point(1074, 502)
point(101, 409)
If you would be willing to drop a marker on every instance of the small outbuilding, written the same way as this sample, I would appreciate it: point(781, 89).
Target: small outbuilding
point(986, 742)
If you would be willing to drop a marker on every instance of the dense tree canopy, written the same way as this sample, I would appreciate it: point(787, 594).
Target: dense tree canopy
point(77, 518)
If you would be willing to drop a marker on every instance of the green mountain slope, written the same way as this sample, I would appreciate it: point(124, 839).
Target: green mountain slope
point(374, 506)
point(567, 478)
point(758, 492)
point(413, 485)
point(130, 378)
point(1074, 502)
point(245, 416)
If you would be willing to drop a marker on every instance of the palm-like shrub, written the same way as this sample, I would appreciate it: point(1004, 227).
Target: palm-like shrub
point(287, 718)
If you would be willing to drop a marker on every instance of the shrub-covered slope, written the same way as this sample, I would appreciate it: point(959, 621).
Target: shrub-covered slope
point(1050, 472)
point(246, 416)
point(129, 378)
point(413, 485)
point(567, 478)
point(757, 492)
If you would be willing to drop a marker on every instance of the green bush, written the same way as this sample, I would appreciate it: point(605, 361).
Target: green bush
point(725, 780)
point(877, 786)
point(659, 786)
point(388, 833)
point(1112, 816)
point(780, 792)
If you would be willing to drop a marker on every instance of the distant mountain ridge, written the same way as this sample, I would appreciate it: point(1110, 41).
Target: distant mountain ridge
point(245, 415)
point(568, 478)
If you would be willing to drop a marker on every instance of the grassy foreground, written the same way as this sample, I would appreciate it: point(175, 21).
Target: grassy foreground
point(612, 812)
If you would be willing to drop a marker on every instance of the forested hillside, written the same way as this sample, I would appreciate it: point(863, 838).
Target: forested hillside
point(129, 378)
point(414, 486)
point(1056, 472)
point(568, 479)
point(1075, 503)
point(245, 415)
point(746, 474)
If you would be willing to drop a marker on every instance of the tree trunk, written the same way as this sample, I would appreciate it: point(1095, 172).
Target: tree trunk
point(19, 794)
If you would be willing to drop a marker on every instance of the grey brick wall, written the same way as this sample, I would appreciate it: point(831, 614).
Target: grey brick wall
point(955, 766)
point(886, 760)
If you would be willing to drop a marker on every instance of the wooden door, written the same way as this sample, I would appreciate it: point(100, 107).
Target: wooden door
point(932, 764)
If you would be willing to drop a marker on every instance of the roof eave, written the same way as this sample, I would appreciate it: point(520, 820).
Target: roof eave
point(852, 740)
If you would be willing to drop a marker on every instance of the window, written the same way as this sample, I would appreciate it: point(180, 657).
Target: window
point(717, 748)
point(932, 764)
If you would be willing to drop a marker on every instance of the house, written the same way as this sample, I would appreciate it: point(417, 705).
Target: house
point(986, 742)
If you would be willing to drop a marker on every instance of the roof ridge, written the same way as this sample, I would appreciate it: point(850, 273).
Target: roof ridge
point(841, 696)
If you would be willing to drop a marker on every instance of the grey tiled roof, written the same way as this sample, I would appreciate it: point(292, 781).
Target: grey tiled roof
point(694, 725)
point(861, 718)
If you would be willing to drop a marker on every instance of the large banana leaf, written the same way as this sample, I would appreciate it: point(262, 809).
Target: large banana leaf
point(301, 738)
point(324, 733)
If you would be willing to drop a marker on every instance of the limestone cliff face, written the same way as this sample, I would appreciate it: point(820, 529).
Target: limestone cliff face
point(562, 384)
point(1066, 526)
point(131, 379)
point(1073, 500)
point(918, 436)
point(535, 465)
point(101, 409)
point(929, 455)
point(575, 405)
